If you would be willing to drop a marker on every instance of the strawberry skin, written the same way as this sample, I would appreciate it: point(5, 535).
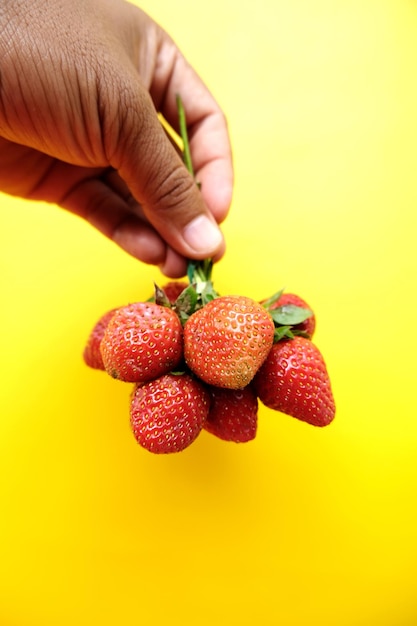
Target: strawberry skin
point(167, 414)
point(294, 380)
point(309, 325)
point(227, 340)
point(233, 414)
point(141, 342)
point(92, 355)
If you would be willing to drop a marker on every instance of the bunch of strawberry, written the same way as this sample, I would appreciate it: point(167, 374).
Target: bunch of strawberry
point(202, 361)
point(199, 360)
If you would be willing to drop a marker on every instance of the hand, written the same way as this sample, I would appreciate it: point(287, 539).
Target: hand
point(81, 83)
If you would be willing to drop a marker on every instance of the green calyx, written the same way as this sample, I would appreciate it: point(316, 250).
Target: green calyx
point(197, 294)
point(199, 274)
point(286, 318)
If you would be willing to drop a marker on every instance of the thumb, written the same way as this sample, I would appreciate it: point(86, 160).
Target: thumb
point(158, 179)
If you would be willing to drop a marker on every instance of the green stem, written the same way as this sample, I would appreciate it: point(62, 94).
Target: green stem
point(197, 271)
point(184, 136)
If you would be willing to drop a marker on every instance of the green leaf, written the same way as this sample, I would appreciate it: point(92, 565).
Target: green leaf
point(186, 302)
point(283, 332)
point(290, 314)
point(208, 294)
point(300, 333)
point(273, 299)
point(161, 298)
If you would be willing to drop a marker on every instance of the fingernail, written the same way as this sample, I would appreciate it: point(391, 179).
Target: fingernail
point(202, 235)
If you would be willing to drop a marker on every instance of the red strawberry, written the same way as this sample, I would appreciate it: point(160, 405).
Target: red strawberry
point(227, 340)
point(168, 413)
point(309, 325)
point(169, 293)
point(141, 342)
point(294, 380)
point(233, 414)
point(92, 355)
point(173, 289)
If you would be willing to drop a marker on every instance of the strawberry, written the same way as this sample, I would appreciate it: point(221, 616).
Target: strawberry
point(307, 327)
point(227, 340)
point(173, 289)
point(233, 414)
point(168, 413)
point(294, 380)
point(92, 355)
point(141, 342)
point(168, 293)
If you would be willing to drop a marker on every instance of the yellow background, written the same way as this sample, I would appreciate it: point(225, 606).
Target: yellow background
point(302, 526)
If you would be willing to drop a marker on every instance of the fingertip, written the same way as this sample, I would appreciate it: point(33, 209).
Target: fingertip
point(203, 236)
point(174, 265)
point(220, 253)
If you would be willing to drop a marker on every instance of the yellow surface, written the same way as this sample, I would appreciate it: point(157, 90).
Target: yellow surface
point(302, 527)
